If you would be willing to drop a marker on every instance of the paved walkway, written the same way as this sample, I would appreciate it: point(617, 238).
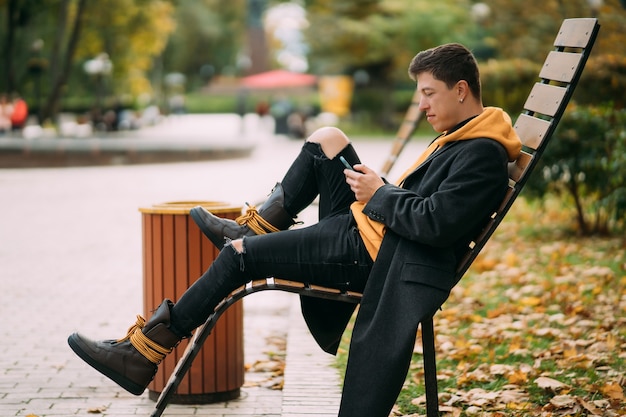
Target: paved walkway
point(70, 260)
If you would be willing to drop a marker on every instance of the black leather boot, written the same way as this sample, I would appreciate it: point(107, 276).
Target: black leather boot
point(270, 217)
point(131, 362)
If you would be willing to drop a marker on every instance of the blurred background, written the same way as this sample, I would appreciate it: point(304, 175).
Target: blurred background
point(121, 64)
point(81, 68)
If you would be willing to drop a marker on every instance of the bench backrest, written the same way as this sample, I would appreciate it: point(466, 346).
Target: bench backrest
point(411, 121)
point(542, 112)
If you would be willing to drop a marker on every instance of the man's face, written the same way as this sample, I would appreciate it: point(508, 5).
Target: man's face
point(440, 103)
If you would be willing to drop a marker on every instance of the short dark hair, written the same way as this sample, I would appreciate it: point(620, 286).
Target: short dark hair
point(449, 63)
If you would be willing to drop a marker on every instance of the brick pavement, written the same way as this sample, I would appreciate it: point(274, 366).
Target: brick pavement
point(70, 259)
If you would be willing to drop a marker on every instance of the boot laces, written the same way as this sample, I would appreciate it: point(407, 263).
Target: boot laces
point(152, 351)
point(255, 222)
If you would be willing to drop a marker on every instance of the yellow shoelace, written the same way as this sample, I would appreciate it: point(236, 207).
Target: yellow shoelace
point(255, 222)
point(147, 347)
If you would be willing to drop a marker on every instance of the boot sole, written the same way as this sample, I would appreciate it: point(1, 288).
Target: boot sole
point(218, 242)
point(120, 380)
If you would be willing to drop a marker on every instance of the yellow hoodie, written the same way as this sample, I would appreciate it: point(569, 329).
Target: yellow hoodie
point(492, 123)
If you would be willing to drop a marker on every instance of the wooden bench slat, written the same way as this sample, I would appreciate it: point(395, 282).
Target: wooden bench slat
point(288, 284)
point(257, 284)
point(406, 129)
point(518, 167)
point(414, 113)
point(575, 33)
point(412, 119)
point(354, 294)
point(560, 66)
point(545, 99)
point(531, 130)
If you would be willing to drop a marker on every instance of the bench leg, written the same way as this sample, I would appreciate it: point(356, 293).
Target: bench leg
point(430, 368)
point(184, 364)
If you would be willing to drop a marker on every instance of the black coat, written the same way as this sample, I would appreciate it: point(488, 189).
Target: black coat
point(430, 220)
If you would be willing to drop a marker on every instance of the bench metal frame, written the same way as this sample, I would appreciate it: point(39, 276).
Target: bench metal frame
point(542, 112)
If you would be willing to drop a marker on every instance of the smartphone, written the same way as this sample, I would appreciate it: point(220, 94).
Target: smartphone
point(347, 165)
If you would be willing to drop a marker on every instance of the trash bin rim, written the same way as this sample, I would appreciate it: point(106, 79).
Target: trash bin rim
point(183, 207)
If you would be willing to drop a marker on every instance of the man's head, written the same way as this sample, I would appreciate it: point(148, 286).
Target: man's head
point(449, 82)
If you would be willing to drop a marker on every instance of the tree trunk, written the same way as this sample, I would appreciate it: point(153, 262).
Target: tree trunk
point(57, 46)
point(12, 15)
point(580, 213)
point(52, 103)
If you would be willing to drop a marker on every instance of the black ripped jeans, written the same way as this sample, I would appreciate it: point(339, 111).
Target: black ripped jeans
point(329, 253)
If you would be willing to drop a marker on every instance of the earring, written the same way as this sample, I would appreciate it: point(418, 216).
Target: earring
point(461, 100)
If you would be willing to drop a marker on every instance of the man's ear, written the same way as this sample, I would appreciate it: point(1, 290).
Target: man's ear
point(462, 90)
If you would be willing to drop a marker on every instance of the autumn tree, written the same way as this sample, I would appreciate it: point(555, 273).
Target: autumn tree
point(523, 29)
point(380, 37)
point(69, 32)
point(207, 39)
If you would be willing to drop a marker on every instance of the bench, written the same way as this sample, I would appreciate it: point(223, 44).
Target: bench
point(542, 112)
point(412, 119)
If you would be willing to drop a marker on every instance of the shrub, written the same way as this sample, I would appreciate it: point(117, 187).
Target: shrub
point(586, 161)
point(604, 81)
point(506, 83)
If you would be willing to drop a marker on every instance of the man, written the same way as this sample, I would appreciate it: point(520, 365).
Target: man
point(398, 244)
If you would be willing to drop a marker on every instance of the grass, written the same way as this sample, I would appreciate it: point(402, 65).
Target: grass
point(537, 327)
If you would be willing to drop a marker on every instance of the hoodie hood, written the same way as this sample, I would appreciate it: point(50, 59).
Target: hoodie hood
point(492, 123)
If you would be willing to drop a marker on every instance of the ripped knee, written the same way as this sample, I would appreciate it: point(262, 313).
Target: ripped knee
point(331, 139)
point(237, 245)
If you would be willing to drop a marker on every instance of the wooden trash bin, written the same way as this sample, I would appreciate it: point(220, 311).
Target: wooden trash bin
point(175, 254)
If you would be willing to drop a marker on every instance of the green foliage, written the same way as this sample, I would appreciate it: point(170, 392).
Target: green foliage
point(201, 103)
point(132, 33)
point(209, 34)
point(147, 39)
point(506, 83)
point(586, 161)
point(344, 35)
point(524, 29)
point(604, 80)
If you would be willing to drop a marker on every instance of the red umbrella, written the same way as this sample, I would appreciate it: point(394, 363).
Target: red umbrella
point(278, 79)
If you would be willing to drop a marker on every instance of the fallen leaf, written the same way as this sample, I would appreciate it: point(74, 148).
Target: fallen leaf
point(563, 401)
point(550, 384)
point(590, 407)
point(613, 391)
point(450, 411)
point(518, 377)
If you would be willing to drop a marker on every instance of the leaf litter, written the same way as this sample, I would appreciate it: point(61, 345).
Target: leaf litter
point(536, 328)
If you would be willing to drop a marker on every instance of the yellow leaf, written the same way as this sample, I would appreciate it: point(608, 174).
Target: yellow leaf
point(511, 259)
point(613, 391)
point(570, 353)
point(530, 301)
point(519, 406)
point(611, 341)
point(518, 377)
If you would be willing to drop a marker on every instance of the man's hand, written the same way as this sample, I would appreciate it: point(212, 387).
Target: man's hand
point(363, 182)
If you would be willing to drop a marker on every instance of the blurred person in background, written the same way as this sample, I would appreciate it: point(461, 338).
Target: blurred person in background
point(6, 110)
